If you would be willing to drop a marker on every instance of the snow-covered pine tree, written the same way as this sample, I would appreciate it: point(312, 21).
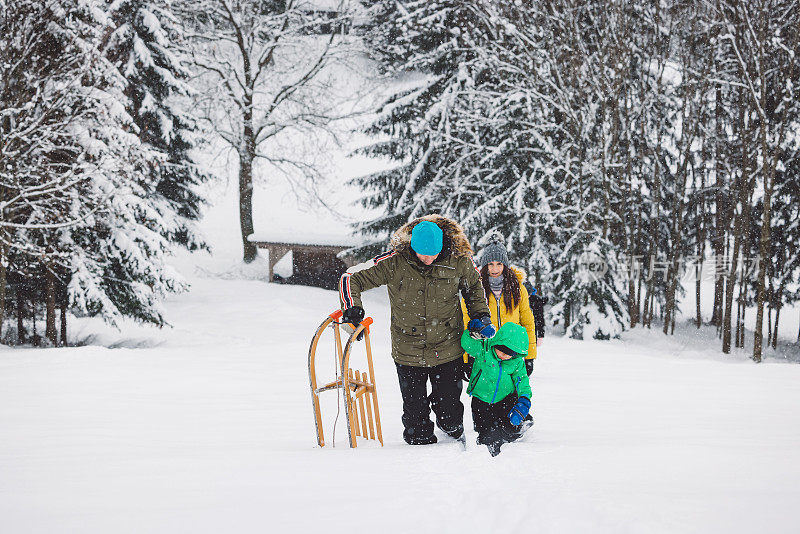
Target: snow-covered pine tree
point(507, 134)
point(588, 288)
point(431, 51)
point(119, 258)
point(485, 133)
point(42, 186)
point(97, 229)
point(554, 159)
point(146, 48)
point(784, 261)
point(633, 131)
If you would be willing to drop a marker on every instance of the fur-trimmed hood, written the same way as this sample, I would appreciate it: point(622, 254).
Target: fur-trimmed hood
point(454, 239)
point(522, 276)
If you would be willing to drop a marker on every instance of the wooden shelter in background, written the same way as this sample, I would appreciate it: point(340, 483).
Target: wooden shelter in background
point(312, 264)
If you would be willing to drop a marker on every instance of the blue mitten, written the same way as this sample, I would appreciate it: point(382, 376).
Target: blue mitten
point(520, 411)
point(481, 327)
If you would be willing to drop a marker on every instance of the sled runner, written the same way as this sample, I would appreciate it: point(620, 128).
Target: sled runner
point(360, 396)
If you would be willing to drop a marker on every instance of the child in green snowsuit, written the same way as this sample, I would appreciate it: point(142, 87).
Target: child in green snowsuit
point(498, 384)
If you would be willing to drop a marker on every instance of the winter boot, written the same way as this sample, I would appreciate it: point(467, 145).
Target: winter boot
point(526, 424)
point(513, 433)
point(494, 447)
point(455, 433)
point(422, 440)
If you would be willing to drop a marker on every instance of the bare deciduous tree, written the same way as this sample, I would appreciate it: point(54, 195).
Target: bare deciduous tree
point(265, 86)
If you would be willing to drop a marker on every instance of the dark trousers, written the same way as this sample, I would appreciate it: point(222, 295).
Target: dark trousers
point(491, 420)
point(445, 400)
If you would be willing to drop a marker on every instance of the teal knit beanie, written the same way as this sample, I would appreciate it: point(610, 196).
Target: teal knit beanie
point(426, 238)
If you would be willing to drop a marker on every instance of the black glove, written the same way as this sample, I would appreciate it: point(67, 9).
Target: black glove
point(467, 368)
point(354, 315)
point(529, 366)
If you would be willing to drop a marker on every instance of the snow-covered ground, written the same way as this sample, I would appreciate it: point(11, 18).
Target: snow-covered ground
point(207, 427)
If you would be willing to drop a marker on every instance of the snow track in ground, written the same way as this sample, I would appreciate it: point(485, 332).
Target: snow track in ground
point(208, 428)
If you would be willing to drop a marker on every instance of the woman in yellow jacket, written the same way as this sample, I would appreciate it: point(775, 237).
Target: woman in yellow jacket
point(506, 296)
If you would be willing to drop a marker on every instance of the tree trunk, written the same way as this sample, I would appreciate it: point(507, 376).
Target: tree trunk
point(743, 331)
point(763, 251)
point(674, 311)
point(3, 274)
point(741, 308)
point(34, 335)
point(646, 308)
point(698, 275)
point(721, 226)
point(633, 311)
point(64, 324)
point(20, 317)
point(673, 274)
point(50, 323)
point(697, 295)
point(729, 287)
point(63, 302)
point(701, 246)
point(727, 250)
point(775, 331)
point(247, 154)
point(704, 228)
point(739, 338)
point(742, 194)
point(769, 321)
point(770, 158)
point(633, 306)
point(246, 204)
point(639, 310)
point(669, 300)
point(655, 215)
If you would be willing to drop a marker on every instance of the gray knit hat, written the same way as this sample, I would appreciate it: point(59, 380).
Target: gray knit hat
point(494, 251)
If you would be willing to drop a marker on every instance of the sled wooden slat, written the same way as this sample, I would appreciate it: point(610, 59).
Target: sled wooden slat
point(353, 405)
point(354, 383)
point(361, 410)
point(368, 402)
point(373, 388)
point(358, 387)
point(333, 385)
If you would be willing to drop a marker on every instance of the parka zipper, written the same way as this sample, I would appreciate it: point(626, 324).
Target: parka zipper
point(499, 376)
point(474, 381)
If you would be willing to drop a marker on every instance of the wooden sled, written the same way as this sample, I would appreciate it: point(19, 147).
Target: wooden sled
point(361, 398)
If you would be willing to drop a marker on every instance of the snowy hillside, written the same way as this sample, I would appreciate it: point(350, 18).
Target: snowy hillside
point(594, 147)
point(208, 428)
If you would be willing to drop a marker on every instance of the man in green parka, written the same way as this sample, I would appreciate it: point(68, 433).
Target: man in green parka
point(499, 386)
point(429, 264)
